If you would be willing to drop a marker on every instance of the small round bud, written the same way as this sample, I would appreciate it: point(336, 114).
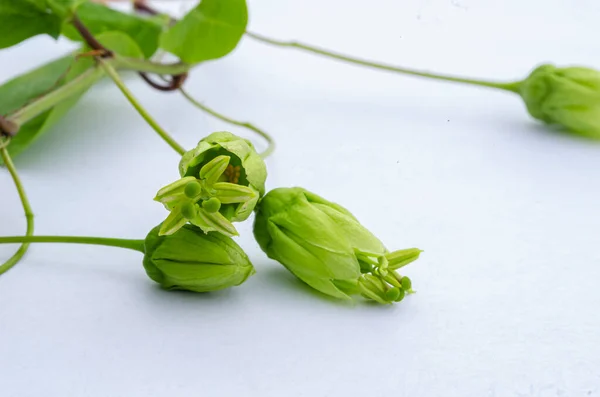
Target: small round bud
point(401, 296)
point(189, 211)
point(211, 205)
point(193, 189)
point(406, 283)
point(392, 294)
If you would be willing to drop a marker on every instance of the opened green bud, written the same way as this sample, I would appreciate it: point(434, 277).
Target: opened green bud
point(195, 261)
point(221, 181)
point(568, 97)
point(325, 246)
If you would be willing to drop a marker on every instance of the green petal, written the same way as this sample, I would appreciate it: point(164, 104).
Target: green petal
point(194, 157)
point(371, 288)
point(358, 236)
point(401, 258)
point(174, 190)
point(254, 166)
point(214, 222)
point(230, 193)
point(316, 199)
point(243, 211)
point(314, 227)
point(302, 263)
point(173, 223)
point(212, 171)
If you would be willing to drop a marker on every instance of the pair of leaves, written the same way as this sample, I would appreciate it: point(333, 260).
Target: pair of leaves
point(25, 88)
point(209, 31)
point(22, 19)
point(99, 19)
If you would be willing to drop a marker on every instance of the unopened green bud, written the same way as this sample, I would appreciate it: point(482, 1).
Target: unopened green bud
point(211, 205)
point(392, 294)
point(193, 189)
point(567, 97)
point(323, 244)
point(406, 283)
point(223, 176)
point(195, 261)
point(189, 210)
point(401, 295)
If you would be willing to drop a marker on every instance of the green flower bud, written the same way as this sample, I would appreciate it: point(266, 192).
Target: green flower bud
point(392, 294)
point(401, 295)
point(212, 205)
point(325, 246)
point(406, 284)
point(222, 179)
point(568, 97)
point(195, 261)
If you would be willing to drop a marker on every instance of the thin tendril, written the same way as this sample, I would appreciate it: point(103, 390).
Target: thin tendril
point(18, 255)
point(244, 124)
point(136, 245)
point(112, 73)
point(512, 87)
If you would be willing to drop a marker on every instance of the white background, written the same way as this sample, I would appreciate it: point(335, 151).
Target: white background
point(506, 210)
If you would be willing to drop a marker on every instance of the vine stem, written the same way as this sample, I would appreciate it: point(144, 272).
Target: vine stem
point(82, 82)
point(512, 86)
point(136, 245)
point(40, 105)
point(12, 261)
point(244, 124)
point(144, 65)
point(114, 75)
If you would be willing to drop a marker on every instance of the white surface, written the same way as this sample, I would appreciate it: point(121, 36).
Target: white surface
point(507, 213)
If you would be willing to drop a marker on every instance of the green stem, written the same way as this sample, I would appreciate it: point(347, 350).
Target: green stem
point(136, 245)
point(112, 73)
point(512, 87)
point(87, 79)
point(142, 65)
point(53, 98)
point(26, 207)
point(271, 143)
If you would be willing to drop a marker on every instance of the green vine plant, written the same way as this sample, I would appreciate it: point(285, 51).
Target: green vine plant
point(218, 184)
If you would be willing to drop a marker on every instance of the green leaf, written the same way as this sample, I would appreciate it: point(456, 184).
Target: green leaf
point(121, 43)
point(99, 19)
point(209, 31)
point(48, 78)
point(22, 89)
point(63, 8)
point(22, 19)
point(25, 88)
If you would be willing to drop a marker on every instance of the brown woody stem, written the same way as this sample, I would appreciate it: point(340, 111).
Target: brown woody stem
point(7, 127)
point(142, 7)
point(89, 38)
point(175, 83)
